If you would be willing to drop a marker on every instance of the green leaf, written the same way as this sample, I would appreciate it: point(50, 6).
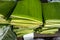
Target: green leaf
point(7, 33)
point(6, 7)
point(28, 9)
point(51, 11)
point(27, 14)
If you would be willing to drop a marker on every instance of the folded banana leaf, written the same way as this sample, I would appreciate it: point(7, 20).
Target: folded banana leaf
point(51, 11)
point(3, 21)
point(26, 16)
point(23, 31)
point(6, 33)
point(6, 8)
point(28, 9)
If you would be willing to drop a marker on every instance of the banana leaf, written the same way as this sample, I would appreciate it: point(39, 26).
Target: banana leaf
point(6, 8)
point(22, 31)
point(51, 31)
point(2, 21)
point(24, 9)
point(6, 33)
point(26, 17)
point(51, 11)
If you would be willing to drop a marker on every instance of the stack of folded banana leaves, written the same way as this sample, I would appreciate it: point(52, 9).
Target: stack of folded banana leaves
point(26, 17)
point(51, 11)
point(5, 10)
point(6, 32)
